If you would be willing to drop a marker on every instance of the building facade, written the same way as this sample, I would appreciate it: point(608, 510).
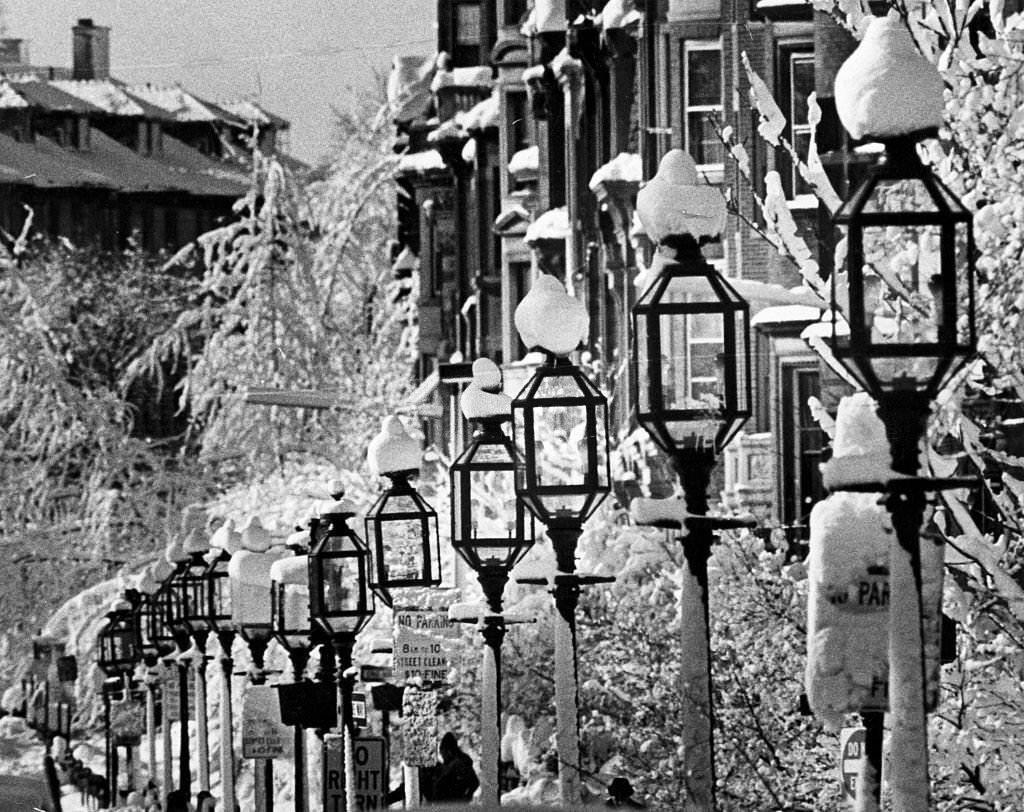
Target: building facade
point(523, 145)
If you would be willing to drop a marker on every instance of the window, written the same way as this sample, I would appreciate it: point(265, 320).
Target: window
point(517, 122)
point(802, 441)
point(702, 102)
point(796, 78)
point(690, 369)
point(466, 37)
point(515, 11)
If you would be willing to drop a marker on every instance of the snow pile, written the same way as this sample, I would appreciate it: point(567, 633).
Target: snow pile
point(546, 15)
point(885, 87)
point(861, 451)
point(393, 449)
point(674, 201)
point(524, 161)
point(551, 225)
point(625, 167)
point(848, 596)
point(619, 14)
point(483, 397)
point(428, 160)
point(550, 318)
point(461, 77)
point(481, 115)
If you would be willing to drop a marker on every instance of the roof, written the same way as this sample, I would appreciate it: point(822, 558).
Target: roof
point(252, 113)
point(180, 104)
point(102, 93)
point(110, 165)
point(49, 97)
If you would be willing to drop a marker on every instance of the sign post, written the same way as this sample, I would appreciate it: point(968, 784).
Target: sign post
point(370, 770)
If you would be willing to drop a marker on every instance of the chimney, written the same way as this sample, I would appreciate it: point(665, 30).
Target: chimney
point(90, 50)
point(13, 52)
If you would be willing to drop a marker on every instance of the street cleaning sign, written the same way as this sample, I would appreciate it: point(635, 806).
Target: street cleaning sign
point(423, 645)
point(264, 735)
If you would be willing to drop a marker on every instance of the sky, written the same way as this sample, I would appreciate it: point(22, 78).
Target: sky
point(298, 58)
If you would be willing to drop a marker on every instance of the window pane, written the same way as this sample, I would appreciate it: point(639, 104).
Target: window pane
point(467, 24)
point(801, 86)
point(703, 142)
point(704, 77)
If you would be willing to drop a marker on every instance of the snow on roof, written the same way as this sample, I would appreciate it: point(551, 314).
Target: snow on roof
point(293, 570)
point(478, 76)
point(482, 115)
point(428, 160)
point(549, 318)
point(524, 160)
point(619, 14)
point(886, 87)
point(251, 112)
point(546, 15)
point(509, 216)
point(779, 314)
point(551, 225)
point(43, 94)
point(483, 397)
point(626, 166)
point(676, 201)
point(101, 93)
point(406, 261)
point(393, 449)
point(9, 97)
point(183, 106)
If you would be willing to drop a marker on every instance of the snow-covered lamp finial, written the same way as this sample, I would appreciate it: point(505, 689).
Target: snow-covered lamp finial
point(393, 449)
point(675, 201)
point(551, 319)
point(483, 397)
point(886, 88)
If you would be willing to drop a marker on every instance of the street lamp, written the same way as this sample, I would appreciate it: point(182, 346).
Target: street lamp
point(560, 431)
point(250, 585)
point(341, 603)
point(400, 526)
point(173, 605)
point(224, 543)
point(491, 530)
point(691, 353)
point(909, 307)
point(156, 643)
point(117, 655)
point(193, 595)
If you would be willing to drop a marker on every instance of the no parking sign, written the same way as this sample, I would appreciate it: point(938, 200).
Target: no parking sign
point(851, 750)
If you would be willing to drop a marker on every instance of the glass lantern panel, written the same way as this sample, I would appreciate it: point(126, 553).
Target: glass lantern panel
point(221, 589)
point(493, 505)
point(195, 599)
point(739, 357)
point(559, 445)
point(403, 548)
point(341, 584)
point(121, 646)
point(691, 361)
point(892, 195)
point(643, 378)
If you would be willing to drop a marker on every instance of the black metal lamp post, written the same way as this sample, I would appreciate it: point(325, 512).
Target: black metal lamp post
point(560, 430)
point(401, 528)
point(193, 591)
point(289, 600)
point(117, 658)
point(173, 600)
point(223, 544)
point(691, 354)
point(340, 602)
point(909, 307)
point(491, 530)
point(156, 643)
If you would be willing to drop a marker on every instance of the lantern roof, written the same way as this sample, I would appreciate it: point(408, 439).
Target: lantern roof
point(551, 319)
point(676, 201)
point(886, 88)
point(291, 570)
point(393, 449)
point(483, 397)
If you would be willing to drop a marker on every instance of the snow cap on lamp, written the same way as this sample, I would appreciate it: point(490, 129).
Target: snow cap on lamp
point(195, 542)
point(676, 201)
point(294, 570)
point(860, 450)
point(161, 570)
point(226, 538)
point(886, 88)
point(255, 536)
point(483, 397)
point(338, 505)
point(175, 553)
point(393, 449)
point(550, 318)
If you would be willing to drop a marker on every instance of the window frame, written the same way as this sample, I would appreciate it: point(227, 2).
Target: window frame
point(787, 54)
point(714, 171)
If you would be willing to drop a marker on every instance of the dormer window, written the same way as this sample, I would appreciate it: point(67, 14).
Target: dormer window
point(81, 134)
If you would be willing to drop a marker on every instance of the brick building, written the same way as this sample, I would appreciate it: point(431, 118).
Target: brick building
point(524, 144)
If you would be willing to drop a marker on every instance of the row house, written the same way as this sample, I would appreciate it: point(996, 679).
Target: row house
point(522, 146)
